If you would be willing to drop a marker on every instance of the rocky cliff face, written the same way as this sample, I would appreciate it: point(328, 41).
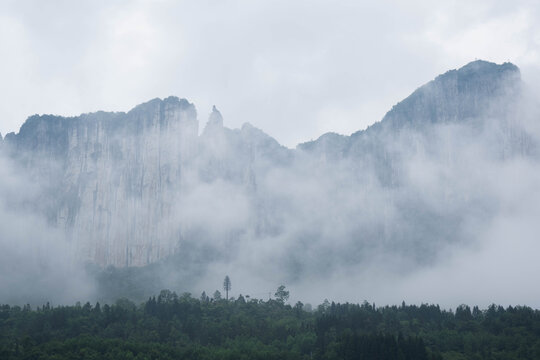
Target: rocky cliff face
point(476, 97)
point(110, 177)
point(132, 188)
point(478, 91)
point(113, 181)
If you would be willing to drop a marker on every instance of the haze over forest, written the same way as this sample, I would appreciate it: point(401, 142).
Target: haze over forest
point(436, 203)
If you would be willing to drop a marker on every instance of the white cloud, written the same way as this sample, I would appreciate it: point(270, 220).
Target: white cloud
point(504, 37)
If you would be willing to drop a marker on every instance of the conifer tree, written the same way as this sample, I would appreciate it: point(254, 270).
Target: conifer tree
point(227, 286)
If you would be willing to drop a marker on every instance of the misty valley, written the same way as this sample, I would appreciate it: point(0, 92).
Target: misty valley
point(437, 203)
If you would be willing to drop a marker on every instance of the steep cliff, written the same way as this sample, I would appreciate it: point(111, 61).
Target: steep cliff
point(110, 177)
point(132, 188)
point(114, 181)
point(481, 97)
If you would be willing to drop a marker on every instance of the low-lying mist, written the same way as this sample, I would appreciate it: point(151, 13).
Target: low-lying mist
point(460, 226)
point(36, 260)
point(445, 214)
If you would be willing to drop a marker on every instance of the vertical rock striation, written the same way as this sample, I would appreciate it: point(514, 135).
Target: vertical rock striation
point(111, 178)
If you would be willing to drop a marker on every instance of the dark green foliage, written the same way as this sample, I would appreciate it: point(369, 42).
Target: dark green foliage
point(171, 326)
point(281, 294)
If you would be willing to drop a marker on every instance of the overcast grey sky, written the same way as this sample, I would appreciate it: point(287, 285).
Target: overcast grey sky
point(295, 69)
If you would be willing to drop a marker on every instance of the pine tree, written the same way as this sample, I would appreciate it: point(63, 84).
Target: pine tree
point(227, 286)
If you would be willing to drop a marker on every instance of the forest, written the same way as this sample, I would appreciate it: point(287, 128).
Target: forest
point(171, 326)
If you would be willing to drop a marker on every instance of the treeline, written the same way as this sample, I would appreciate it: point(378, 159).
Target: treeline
point(182, 327)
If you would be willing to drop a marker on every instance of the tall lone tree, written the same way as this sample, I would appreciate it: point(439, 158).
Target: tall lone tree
point(281, 294)
point(227, 286)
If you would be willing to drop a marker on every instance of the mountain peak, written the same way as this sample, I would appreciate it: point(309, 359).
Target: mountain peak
point(170, 102)
point(476, 89)
point(215, 117)
point(487, 67)
point(215, 122)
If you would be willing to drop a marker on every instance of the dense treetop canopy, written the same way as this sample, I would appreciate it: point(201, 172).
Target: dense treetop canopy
point(172, 326)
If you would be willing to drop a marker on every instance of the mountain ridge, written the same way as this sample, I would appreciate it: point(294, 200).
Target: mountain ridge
point(500, 73)
point(474, 69)
point(131, 188)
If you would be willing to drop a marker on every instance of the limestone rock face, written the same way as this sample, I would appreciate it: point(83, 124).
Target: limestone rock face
point(459, 95)
point(480, 94)
point(117, 182)
point(479, 89)
point(110, 177)
point(132, 188)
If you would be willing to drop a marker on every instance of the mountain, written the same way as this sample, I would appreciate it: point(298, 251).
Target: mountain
point(132, 188)
point(111, 179)
point(478, 90)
